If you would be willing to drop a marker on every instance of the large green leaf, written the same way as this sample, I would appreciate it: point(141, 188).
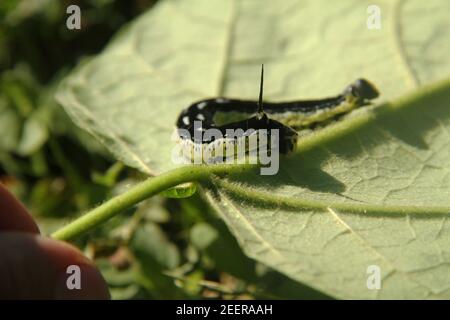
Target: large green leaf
point(373, 189)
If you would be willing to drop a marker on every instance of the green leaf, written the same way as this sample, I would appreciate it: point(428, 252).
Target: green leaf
point(34, 136)
point(203, 235)
point(149, 240)
point(373, 189)
point(10, 124)
point(155, 254)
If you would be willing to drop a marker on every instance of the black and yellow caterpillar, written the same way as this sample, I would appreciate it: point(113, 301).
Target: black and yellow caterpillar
point(250, 115)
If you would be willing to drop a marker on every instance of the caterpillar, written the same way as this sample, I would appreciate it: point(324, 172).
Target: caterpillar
point(246, 118)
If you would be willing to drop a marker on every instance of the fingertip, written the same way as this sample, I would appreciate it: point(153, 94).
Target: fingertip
point(77, 276)
point(81, 281)
point(43, 268)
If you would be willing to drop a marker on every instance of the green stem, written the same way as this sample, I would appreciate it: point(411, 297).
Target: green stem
point(142, 191)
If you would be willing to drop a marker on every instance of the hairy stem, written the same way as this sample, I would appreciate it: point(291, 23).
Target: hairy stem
point(140, 192)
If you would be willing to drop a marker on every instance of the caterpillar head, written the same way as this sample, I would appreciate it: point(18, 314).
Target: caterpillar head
point(362, 90)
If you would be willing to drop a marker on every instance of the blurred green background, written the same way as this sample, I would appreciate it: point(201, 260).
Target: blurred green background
point(162, 249)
